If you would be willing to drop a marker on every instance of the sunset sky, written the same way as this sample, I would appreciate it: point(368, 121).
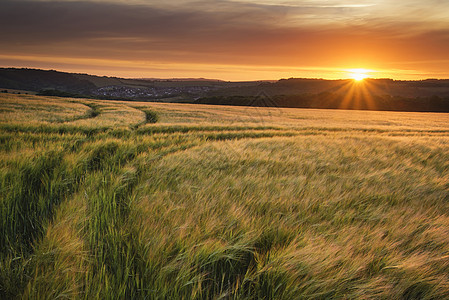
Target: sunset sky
point(229, 40)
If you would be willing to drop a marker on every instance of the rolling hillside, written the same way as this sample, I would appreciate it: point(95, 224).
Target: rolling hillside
point(372, 94)
point(54, 83)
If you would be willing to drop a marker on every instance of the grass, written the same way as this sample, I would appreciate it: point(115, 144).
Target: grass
point(104, 199)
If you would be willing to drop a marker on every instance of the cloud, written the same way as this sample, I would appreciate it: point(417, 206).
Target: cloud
point(310, 33)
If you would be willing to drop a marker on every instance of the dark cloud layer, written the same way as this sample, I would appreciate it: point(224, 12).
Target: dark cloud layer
point(224, 33)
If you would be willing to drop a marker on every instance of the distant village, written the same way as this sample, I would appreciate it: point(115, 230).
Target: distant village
point(151, 92)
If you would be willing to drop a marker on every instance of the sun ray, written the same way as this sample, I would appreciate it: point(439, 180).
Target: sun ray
point(357, 94)
point(348, 100)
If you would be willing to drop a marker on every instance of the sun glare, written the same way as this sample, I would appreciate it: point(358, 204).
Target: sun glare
point(358, 77)
point(358, 74)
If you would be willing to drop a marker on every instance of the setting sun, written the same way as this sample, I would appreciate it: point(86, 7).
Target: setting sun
point(358, 77)
point(358, 74)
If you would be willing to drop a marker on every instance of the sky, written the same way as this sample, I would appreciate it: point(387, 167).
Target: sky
point(228, 39)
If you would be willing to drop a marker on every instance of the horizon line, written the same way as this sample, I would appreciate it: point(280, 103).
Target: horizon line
point(218, 80)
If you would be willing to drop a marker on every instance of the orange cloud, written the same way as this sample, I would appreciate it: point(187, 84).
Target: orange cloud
point(224, 40)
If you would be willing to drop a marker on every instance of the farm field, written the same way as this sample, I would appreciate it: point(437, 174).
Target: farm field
point(133, 200)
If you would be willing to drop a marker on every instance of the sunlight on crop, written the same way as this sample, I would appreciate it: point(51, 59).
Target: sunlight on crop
point(134, 200)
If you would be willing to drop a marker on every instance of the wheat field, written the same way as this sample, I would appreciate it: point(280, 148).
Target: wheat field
point(129, 200)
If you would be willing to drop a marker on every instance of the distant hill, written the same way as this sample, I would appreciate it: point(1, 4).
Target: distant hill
point(36, 80)
point(51, 82)
point(371, 94)
point(431, 95)
point(295, 86)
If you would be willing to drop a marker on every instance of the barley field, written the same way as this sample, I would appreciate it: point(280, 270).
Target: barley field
point(129, 200)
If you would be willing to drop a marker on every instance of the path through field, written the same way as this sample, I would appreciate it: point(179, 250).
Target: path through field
point(129, 200)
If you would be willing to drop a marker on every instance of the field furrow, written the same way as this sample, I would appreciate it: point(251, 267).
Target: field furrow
point(147, 201)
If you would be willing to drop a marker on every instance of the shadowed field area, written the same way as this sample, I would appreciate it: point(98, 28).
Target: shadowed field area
point(105, 199)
